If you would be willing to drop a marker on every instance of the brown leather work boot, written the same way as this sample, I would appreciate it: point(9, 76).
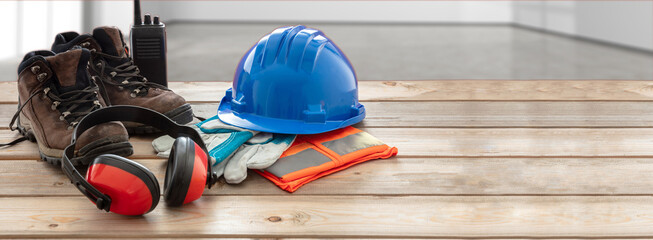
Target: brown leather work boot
point(55, 93)
point(120, 80)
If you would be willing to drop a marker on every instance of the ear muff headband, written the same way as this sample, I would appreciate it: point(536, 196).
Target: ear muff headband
point(130, 114)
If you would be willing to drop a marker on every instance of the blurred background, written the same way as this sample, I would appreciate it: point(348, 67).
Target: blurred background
point(384, 40)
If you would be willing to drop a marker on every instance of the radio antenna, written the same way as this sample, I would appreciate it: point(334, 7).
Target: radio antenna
point(137, 12)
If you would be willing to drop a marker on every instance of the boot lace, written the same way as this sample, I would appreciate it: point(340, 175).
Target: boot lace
point(124, 76)
point(72, 105)
point(76, 104)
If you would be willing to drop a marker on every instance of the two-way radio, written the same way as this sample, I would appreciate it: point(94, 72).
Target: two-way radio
point(148, 44)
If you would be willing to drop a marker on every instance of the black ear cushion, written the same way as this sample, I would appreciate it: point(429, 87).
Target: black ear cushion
point(135, 169)
point(179, 172)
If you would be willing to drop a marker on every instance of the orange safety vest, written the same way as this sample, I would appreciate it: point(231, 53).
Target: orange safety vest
point(313, 156)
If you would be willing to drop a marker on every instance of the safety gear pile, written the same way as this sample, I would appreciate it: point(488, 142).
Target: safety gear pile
point(295, 80)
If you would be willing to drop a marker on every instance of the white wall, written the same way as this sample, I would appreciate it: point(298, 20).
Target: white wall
point(529, 13)
point(624, 22)
point(31, 25)
point(628, 23)
point(334, 11)
point(556, 16)
point(9, 17)
point(108, 13)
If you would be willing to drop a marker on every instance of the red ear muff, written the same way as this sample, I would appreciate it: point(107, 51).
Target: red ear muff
point(121, 186)
point(132, 188)
point(186, 173)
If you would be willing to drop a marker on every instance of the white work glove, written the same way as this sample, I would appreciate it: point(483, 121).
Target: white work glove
point(231, 152)
point(221, 139)
point(259, 152)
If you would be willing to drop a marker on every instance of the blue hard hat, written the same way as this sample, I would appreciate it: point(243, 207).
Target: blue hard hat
point(294, 81)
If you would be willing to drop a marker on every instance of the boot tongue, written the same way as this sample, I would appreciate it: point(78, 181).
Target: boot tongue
point(70, 70)
point(111, 41)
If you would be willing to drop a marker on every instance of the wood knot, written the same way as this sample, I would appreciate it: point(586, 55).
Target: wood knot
point(357, 173)
point(392, 84)
point(57, 183)
point(54, 225)
point(274, 219)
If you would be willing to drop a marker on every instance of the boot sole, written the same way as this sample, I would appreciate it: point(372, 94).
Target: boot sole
point(181, 115)
point(108, 145)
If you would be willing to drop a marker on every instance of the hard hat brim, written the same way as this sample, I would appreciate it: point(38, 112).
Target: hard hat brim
point(275, 125)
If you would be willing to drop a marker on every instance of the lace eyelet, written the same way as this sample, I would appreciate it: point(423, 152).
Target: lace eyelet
point(133, 95)
point(36, 69)
point(45, 92)
point(64, 115)
point(85, 44)
point(113, 74)
point(41, 76)
point(55, 104)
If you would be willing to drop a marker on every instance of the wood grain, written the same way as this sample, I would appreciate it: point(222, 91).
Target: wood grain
point(460, 142)
point(496, 114)
point(477, 114)
point(518, 142)
point(339, 216)
point(398, 176)
point(443, 90)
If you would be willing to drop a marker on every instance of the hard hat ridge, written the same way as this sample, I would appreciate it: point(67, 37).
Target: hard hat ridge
point(296, 46)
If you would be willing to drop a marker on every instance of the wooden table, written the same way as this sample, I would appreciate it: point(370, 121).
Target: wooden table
point(476, 159)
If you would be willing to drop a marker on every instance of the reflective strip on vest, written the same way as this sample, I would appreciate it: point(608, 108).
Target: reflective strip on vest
point(352, 143)
point(301, 160)
point(312, 158)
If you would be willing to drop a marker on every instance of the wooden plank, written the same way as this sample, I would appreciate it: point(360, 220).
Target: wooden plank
point(518, 142)
point(339, 216)
point(461, 142)
point(477, 114)
point(309, 238)
point(443, 90)
point(399, 176)
point(496, 114)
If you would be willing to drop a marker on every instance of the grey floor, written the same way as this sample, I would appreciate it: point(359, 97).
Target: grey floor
point(211, 51)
